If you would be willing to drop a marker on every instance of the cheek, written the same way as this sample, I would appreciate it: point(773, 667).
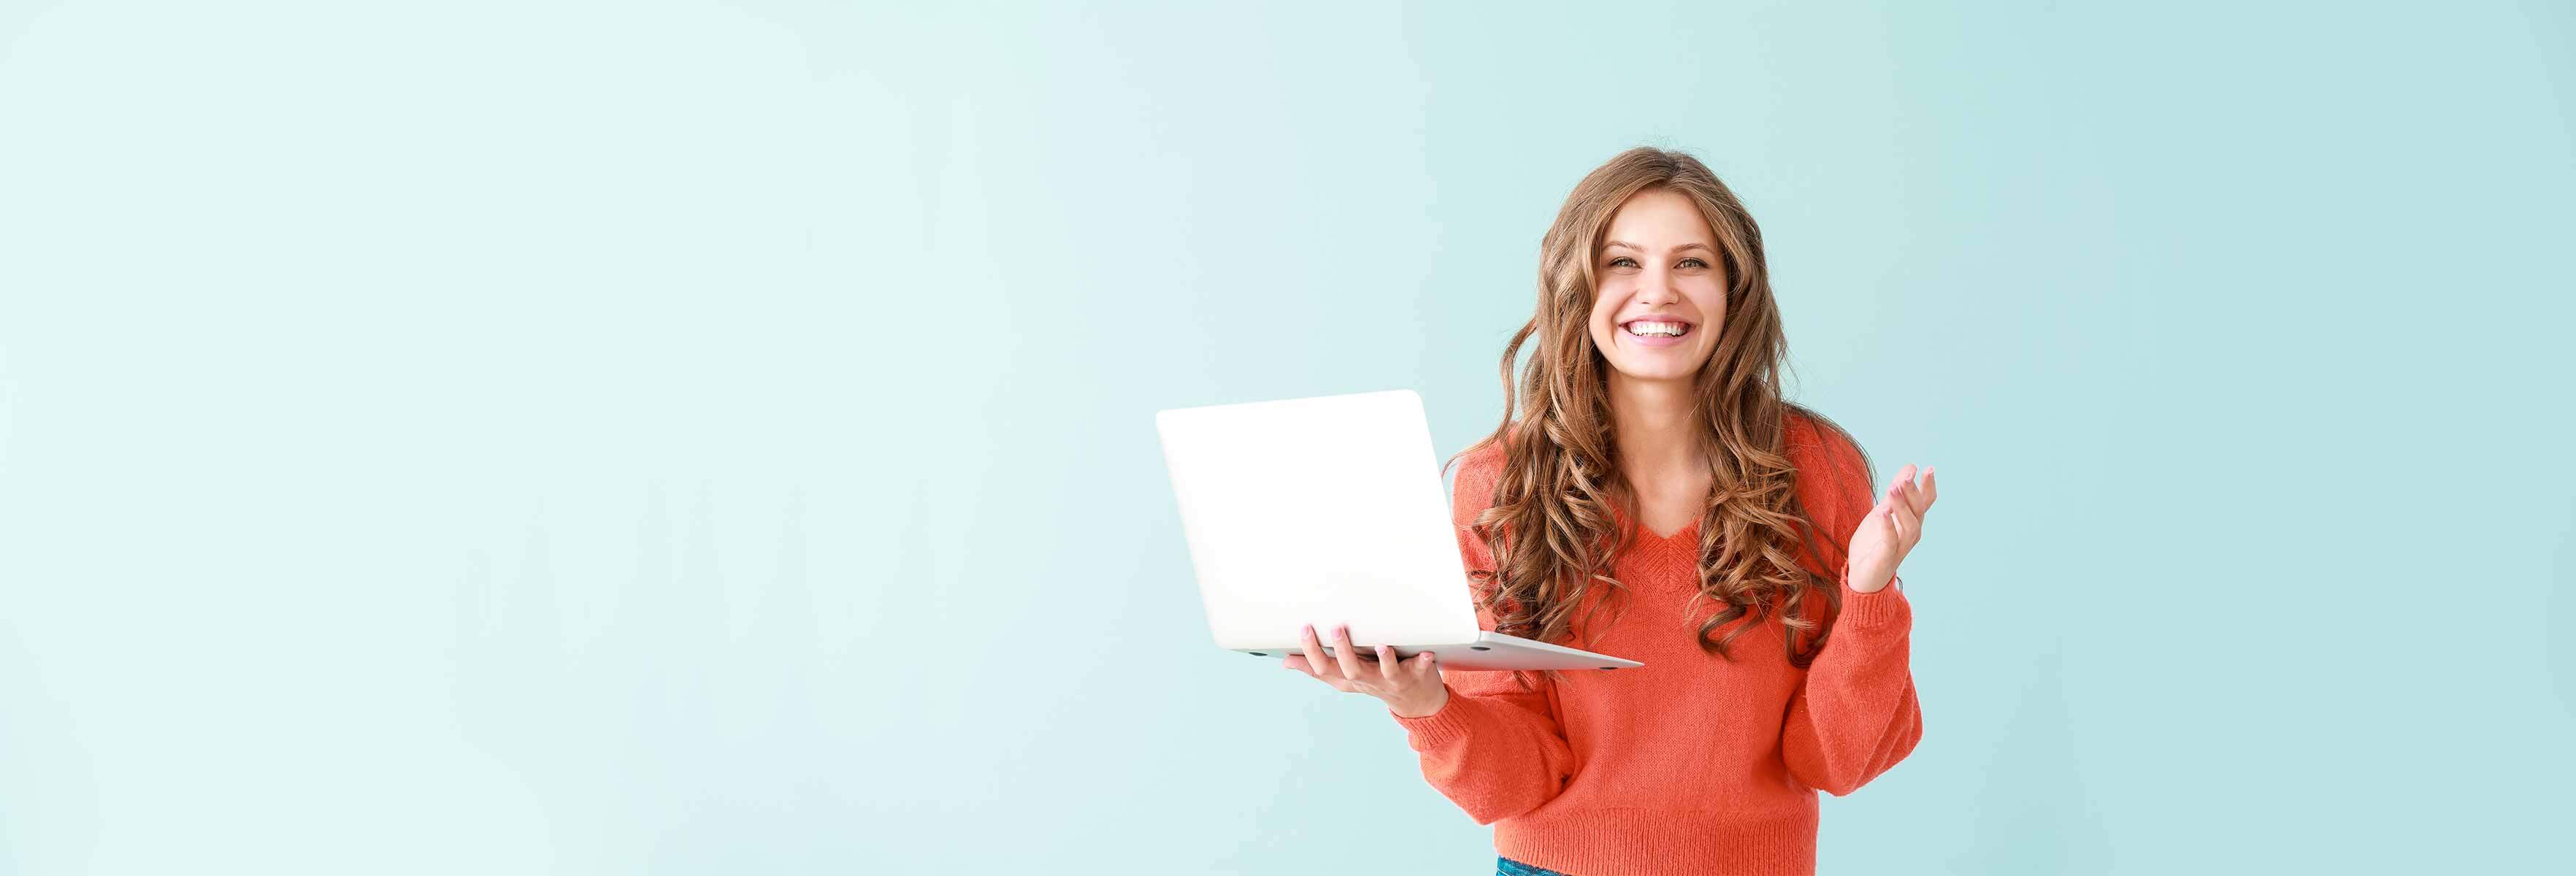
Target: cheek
point(1711, 297)
point(1605, 303)
point(1601, 327)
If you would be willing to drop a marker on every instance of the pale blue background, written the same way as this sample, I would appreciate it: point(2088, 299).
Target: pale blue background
point(686, 437)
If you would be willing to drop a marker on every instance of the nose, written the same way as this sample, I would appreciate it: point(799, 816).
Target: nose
point(1658, 287)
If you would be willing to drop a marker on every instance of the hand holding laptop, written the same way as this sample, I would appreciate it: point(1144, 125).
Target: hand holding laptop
point(1413, 688)
point(1330, 508)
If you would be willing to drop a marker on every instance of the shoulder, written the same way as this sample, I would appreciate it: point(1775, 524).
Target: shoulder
point(1477, 468)
point(1816, 444)
point(1833, 472)
point(1484, 459)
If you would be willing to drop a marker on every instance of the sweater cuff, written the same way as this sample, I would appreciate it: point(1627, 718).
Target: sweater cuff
point(1883, 609)
point(1438, 728)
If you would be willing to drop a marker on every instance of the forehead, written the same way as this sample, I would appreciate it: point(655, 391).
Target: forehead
point(1659, 217)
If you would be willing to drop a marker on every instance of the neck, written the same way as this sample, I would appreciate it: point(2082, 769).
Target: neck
point(1657, 440)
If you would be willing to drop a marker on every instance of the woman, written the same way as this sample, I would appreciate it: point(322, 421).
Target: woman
point(1657, 499)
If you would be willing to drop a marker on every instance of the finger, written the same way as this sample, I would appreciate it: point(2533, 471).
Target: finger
point(1913, 508)
point(1894, 504)
point(1388, 664)
point(1315, 661)
point(1909, 525)
point(1931, 491)
point(1298, 662)
point(1350, 659)
point(1904, 493)
point(1327, 676)
point(1423, 665)
point(1869, 519)
point(1914, 492)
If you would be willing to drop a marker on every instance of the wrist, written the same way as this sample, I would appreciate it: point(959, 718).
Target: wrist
point(1881, 585)
point(1424, 707)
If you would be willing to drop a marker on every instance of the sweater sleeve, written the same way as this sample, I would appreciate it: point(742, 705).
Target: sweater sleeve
point(1854, 715)
point(1494, 748)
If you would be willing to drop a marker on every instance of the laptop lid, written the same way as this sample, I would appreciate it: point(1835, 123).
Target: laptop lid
point(1318, 510)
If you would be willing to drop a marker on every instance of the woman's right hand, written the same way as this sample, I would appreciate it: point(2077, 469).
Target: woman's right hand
point(1411, 688)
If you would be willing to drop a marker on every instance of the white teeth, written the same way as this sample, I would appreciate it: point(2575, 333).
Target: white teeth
point(1645, 328)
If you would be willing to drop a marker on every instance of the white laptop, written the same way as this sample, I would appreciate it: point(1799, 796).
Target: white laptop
point(1330, 510)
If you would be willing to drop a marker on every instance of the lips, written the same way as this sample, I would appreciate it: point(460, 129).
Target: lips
point(1654, 339)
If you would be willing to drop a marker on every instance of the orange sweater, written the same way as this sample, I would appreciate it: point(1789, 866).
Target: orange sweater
point(1690, 763)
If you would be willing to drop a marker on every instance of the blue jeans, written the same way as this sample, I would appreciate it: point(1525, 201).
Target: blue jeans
point(1507, 867)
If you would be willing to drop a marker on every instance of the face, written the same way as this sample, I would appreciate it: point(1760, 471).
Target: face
point(1658, 273)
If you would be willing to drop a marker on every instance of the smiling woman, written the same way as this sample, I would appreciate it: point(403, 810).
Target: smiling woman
point(1648, 465)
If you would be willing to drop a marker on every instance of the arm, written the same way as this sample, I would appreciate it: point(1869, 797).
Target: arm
point(1855, 714)
point(1493, 748)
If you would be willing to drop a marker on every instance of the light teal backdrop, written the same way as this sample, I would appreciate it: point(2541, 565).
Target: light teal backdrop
point(689, 437)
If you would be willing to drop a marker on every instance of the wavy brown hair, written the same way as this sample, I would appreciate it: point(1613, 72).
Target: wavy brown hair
point(1560, 482)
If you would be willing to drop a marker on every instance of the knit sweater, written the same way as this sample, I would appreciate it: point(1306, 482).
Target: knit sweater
point(1691, 763)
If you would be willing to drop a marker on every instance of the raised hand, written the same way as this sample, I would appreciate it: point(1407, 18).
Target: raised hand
point(1889, 531)
point(1411, 687)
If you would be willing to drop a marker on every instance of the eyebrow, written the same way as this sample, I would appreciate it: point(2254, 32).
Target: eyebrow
point(1643, 249)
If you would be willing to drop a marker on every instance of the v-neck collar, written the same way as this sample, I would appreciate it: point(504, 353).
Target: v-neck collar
point(1649, 534)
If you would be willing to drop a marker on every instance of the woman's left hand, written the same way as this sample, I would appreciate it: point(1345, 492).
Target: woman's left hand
point(1889, 531)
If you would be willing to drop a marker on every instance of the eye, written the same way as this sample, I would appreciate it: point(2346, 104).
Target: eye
point(1615, 262)
point(1695, 262)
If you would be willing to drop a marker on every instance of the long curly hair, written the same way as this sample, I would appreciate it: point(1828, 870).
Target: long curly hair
point(1561, 484)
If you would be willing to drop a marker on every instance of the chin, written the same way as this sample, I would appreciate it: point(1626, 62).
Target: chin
point(1654, 373)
